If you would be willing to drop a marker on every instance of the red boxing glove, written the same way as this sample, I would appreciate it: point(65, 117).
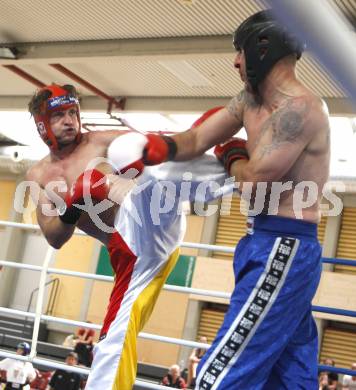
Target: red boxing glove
point(159, 148)
point(205, 116)
point(230, 151)
point(91, 184)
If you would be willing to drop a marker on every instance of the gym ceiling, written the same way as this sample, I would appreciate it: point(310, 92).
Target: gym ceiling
point(168, 56)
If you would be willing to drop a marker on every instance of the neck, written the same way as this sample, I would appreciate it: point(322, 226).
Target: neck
point(280, 81)
point(63, 151)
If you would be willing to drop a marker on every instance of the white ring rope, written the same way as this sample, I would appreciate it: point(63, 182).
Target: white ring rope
point(79, 370)
point(57, 271)
point(218, 248)
point(64, 321)
point(103, 278)
point(150, 385)
point(29, 226)
point(45, 362)
point(62, 366)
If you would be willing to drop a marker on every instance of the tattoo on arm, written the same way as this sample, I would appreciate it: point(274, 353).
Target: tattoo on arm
point(235, 105)
point(286, 125)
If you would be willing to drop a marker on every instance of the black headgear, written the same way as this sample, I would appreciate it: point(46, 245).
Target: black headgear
point(264, 41)
point(25, 347)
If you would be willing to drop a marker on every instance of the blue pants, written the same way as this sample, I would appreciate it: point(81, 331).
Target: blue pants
point(268, 340)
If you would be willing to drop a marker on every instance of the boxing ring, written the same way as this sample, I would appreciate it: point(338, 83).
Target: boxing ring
point(318, 20)
point(38, 315)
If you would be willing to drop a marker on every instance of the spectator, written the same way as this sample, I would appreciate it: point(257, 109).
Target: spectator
point(42, 380)
point(173, 378)
point(2, 379)
point(66, 380)
point(85, 335)
point(18, 373)
point(194, 360)
point(323, 381)
point(84, 345)
point(349, 382)
point(70, 341)
point(333, 378)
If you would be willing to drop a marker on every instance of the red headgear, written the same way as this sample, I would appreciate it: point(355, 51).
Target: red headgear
point(60, 99)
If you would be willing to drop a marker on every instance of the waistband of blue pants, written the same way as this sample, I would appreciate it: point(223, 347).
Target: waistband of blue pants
point(282, 225)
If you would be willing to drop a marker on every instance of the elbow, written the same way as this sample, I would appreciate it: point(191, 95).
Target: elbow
point(248, 175)
point(57, 237)
point(55, 242)
point(250, 181)
point(254, 177)
point(197, 145)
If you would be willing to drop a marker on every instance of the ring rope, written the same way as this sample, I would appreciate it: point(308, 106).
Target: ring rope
point(79, 370)
point(65, 321)
point(84, 275)
point(194, 245)
point(27, 226)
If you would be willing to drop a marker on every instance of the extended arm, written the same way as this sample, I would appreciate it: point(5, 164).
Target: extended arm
point(134, 150)
point(212, 130)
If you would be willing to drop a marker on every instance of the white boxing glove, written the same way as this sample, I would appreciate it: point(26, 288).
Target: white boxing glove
point(126, 152)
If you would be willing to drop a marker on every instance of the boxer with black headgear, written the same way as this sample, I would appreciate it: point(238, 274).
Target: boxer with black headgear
point(268, 339)
point(264, 42)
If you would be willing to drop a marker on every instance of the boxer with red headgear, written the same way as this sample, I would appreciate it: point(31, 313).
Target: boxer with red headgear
point(75, 192)
point(59, 99)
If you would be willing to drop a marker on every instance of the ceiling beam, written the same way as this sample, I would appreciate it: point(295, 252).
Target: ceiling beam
point(149, 48)
point(337, 106)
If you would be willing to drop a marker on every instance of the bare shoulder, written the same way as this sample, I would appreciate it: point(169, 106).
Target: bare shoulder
point(36, 170)
point(298, 117)
point(237, 104)
point(316, 120)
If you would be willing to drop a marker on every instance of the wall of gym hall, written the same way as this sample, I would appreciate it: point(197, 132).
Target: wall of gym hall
point(29, 246)
point(79, 254)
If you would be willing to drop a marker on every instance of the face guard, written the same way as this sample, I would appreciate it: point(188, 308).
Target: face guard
point(59, 99)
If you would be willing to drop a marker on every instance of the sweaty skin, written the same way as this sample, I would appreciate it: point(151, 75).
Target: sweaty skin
point(64, 166)
point(288, 137)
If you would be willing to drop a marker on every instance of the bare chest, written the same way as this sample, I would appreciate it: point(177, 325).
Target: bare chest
point(68, 169)
point(256, 123)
